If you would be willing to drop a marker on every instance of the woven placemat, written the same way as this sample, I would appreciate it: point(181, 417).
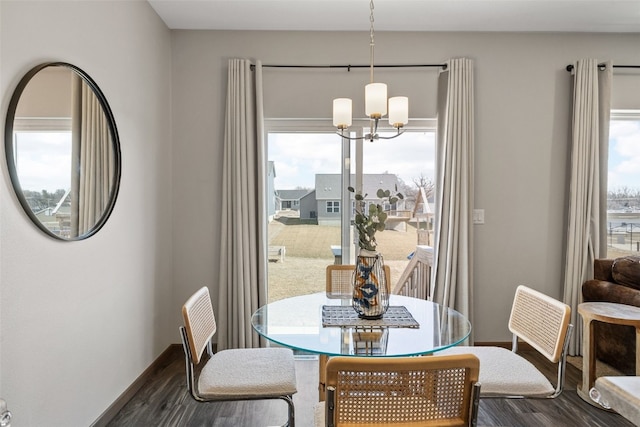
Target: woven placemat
point(397, 316)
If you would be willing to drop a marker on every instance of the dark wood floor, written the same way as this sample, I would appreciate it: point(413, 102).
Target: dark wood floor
point(164, 401)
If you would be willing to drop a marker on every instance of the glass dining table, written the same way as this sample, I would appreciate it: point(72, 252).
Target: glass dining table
point(302, 323)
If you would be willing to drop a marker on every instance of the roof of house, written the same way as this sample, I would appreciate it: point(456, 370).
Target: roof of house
point(292, 194)
point(422, 203)
point(328, 185)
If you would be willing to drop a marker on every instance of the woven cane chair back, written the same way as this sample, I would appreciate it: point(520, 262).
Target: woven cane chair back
point(410, 391)
point(541, 321)
point(339, 282)
point(199, 322)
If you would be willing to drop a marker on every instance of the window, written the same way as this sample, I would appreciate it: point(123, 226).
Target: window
point(623, 192)
point(43, 160)
point(42, 150)
point(333, 207)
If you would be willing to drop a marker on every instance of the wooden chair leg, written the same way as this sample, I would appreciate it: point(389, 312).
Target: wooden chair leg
point(322, 376)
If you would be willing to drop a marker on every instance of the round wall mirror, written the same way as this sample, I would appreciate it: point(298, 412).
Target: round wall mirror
point(63, 151)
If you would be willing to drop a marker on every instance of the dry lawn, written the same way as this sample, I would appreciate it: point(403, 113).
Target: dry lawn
point(308, 252)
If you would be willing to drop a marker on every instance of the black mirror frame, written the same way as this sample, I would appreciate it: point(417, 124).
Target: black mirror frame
point(9, 152)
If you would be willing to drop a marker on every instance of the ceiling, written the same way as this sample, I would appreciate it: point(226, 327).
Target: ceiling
point(403, 15)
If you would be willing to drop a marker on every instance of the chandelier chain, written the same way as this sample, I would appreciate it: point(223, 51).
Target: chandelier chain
point(371, 37)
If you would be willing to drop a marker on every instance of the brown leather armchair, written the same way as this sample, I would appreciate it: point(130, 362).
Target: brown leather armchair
point(615, 281)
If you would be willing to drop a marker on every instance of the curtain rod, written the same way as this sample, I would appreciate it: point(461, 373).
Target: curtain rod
point(349, 67)
point(603, 66)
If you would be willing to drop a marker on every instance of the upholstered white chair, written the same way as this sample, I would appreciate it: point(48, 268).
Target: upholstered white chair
point(543, 323)
point(235, 374)
point(404, 391)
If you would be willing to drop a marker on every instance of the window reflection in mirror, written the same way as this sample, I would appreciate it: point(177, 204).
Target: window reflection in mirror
point(62, 151)
point(43, 162)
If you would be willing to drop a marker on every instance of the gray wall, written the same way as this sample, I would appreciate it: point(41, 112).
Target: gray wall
point(48, 94)
point(80, 321)
point(309, 204)
point(328, 218)
point(522, 128)
point(115, 304)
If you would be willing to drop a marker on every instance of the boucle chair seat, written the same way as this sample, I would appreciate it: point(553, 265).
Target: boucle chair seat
point(247, 373)
point(504, 372)
point(543, 323)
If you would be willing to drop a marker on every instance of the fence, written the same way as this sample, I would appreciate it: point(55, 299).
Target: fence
point(624, 235)
point(416, 278)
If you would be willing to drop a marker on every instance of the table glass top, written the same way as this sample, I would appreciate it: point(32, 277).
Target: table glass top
point(296, 322)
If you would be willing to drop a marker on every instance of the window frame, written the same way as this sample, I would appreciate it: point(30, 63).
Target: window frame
point(333, 206)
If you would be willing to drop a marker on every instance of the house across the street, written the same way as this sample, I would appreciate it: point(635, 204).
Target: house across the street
point(290, 199)
point(325, 204)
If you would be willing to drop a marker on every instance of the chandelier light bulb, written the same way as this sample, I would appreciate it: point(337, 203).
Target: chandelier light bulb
point(342, 113)
point(398, 111)
point(375, 95)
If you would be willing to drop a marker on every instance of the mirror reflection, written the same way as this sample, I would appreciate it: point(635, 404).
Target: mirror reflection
point(62, 151)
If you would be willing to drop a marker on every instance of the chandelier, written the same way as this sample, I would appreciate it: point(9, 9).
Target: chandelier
point(375, 103)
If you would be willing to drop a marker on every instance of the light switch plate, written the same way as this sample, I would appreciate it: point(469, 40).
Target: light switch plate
point(478, 216)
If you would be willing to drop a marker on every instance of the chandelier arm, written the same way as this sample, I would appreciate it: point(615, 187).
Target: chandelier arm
point(370, 136)
point(351, 138)
point(400, 132)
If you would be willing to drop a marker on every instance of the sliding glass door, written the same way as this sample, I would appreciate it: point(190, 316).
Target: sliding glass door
point(407, 162)
point(305, 206)
point(310, 210)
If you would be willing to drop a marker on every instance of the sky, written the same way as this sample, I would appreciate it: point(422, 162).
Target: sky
point(298, 157)
point(44, 160)
point(624, 154)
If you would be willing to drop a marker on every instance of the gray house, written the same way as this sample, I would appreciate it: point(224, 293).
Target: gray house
point(327, 207)
point(309, 206)
point(290, 199)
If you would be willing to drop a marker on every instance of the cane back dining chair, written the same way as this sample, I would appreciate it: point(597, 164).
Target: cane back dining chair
point(234, 374)
point(405, 391)
point(543, 323)
point(339, 284)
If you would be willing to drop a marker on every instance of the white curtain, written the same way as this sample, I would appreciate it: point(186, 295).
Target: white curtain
point(586, 233)
point(453, 261)
point(243, 269)
point(92, 159)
